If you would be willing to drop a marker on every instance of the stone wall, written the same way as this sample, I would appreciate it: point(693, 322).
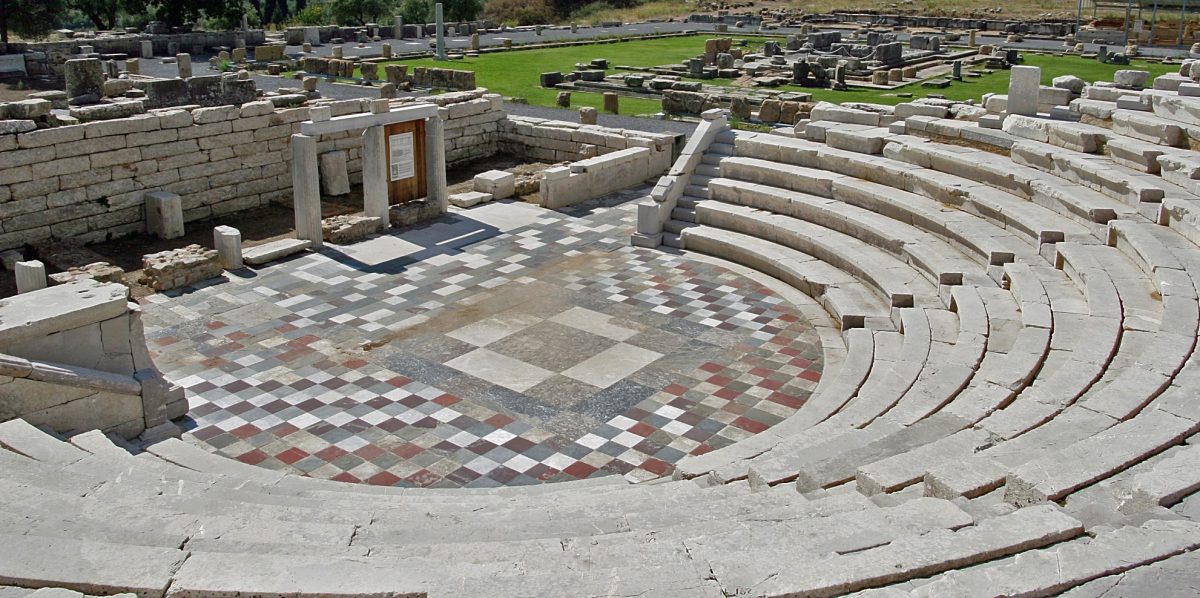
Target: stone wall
point(48, 58)
point(89, 181)
point(558, 141)
point(73, 357)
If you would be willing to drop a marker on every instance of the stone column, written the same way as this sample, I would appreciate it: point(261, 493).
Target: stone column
point(228, 241)
point(441, 42)
point(1024, 83)
point(184, 62)
point(375, 174)
point(31, 276)
point(398, 28)
point(306, 189)
point(435, 161)
point(147, 49)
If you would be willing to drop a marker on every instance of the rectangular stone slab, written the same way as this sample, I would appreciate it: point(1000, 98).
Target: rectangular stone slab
point(57, 308)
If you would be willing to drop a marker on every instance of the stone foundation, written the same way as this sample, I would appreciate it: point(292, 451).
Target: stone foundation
point(176, 268)
point(349, 228)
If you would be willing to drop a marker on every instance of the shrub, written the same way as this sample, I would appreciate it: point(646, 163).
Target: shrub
point(519, 12)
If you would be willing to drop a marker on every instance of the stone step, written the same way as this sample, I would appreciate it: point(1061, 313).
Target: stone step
point(867, 141)
point(274, 250)
point(708, 170)
point(899, 362)
point(1134, 153)
point(851, 302)
point(891, 277)
point(1148, 127)
point(712, 159)
point(696, 191)
point(1074, 136)
point(974, 236)
point(1169, 481)
point(1176, 108)
point(315, 498)
point(909, 558)
point(1095, 172)
point(1057, 474)
point(1053, 570)
point(21, 437)
point(676, 227)
point(684, 215)
point(721, 149)
point(941, 264)
point(88, 567)
point(945, 175)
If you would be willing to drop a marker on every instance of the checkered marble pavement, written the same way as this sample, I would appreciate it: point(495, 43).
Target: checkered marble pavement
point(500, 345)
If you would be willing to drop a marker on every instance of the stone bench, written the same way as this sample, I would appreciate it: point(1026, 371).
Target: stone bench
point(943, 265)
point(851, 302)
point(844, 252)
point(1059, 568)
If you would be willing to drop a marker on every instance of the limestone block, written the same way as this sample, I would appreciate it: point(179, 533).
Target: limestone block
point(1132, 79)
point(176, 268)
point(228, 241)
point(147, 48)
point(31, 276)
point(469, 199)
point(85, 79)
point(1070, 82)
point(99, 271)
point(335, 179)
point(1023, 86)
point(498, 183)
point(164, 215)
point(588, 116)
point(349, 228)
point(184, 63)
point(611, 101)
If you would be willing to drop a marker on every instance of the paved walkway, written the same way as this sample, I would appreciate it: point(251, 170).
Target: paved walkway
point(505, 344)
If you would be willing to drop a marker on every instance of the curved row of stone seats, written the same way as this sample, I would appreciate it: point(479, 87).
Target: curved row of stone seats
point(1093, 241)
point(939, 176)
point(807, 152)
point(1129, 390)
point(1067, 565)
point(928, 396)
point(147, 534)
point(1082, 204)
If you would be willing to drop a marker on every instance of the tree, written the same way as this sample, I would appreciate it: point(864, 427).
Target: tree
point(103, 13)
point(359, 12)
point(416, 11)
point(29, 18)
point(177, 12)
point(462, 10)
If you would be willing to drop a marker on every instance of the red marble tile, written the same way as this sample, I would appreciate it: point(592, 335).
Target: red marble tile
point(384, 478)
point(750, 425)
point(579, 469)
point(291, 455)
point(253, 457)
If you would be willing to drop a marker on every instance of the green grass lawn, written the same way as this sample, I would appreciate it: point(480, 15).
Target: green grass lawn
point(515, 74)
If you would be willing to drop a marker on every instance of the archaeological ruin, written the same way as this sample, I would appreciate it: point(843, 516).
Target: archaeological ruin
point(752, 302)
